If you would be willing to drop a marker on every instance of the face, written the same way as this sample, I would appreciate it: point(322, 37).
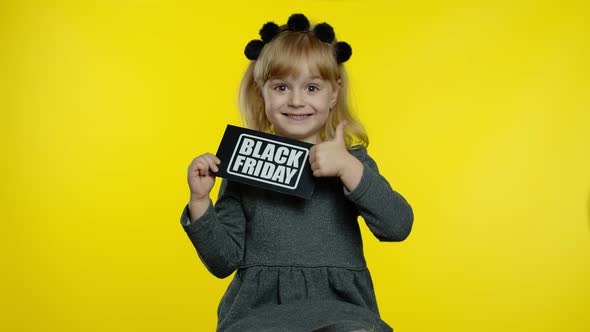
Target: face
point(298, 106)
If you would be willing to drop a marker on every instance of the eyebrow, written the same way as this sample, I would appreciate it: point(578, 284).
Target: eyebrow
point(307, 78)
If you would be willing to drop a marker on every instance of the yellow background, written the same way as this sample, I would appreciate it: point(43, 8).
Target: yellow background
point(478, 113)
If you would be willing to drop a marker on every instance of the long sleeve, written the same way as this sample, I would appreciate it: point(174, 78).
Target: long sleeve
point(387, 213)
point(218, 235)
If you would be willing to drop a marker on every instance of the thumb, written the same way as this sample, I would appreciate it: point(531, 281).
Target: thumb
point(339, 136)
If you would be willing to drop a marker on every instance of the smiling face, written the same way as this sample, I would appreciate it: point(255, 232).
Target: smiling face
point(298, 105)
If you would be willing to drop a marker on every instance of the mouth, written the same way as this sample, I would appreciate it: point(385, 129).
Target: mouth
point(297, 117)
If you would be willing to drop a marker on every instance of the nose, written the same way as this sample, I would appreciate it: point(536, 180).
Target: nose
point(296, 99)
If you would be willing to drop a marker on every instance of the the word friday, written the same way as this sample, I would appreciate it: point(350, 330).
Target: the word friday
point(267, 161)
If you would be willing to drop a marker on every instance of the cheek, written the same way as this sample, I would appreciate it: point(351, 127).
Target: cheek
point(322, 104)
point(266, 96)
point(272, 103)
point(267, 103)
point(269, 107)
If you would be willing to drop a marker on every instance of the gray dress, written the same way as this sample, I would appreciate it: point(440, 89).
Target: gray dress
point(300, 263)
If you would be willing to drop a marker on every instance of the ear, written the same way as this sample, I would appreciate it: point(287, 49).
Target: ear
point(335, 92)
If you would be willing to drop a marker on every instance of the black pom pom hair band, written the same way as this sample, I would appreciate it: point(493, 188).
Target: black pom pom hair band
point(298, 22)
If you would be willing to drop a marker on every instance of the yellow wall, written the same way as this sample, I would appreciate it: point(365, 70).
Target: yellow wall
point(478, 113)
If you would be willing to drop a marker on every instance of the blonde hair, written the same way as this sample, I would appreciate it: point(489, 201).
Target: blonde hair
point(280, 58)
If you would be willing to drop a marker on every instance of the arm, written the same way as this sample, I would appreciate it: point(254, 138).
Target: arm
point(387, 214)
point(218, 234)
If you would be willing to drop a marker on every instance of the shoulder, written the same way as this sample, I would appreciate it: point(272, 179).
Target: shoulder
point(360, 152)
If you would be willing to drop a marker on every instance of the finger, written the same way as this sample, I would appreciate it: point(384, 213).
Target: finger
point(191, 167)
point(214, 157)
point(202, 167)
point(314, 166)
point(211, 162)
point(312, 153)
point(195, 162)
point(211, 157)
point(339, 135)
point(313, 150)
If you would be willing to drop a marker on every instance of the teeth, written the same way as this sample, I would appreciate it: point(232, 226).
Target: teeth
point(298, 116)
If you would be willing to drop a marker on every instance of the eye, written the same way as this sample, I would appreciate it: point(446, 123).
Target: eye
point(312, 88)
point(280, 87)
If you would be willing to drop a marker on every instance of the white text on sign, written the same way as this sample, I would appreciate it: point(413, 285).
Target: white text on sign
point(267, 161)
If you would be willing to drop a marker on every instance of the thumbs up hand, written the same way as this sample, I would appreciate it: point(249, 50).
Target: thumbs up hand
point(330, 158)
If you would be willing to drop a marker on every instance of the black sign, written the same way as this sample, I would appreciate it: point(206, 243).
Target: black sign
point(265, 160)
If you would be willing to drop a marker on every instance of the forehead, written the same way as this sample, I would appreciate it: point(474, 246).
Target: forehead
point(301, 71)
point(294, 69)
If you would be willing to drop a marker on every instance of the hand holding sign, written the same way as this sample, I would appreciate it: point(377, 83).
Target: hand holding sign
point(199, 178)
point(331, 158)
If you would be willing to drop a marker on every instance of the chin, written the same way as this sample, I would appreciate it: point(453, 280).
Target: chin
point(294, 134)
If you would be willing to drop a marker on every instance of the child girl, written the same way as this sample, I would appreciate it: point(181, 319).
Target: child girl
point(300, 263)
